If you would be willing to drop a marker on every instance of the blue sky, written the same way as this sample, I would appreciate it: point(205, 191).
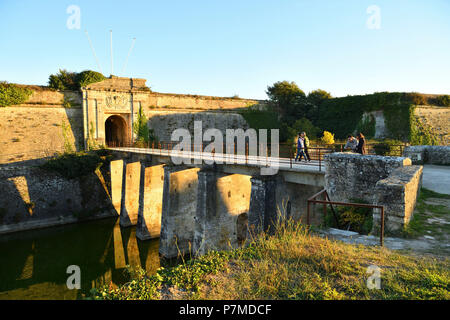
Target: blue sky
point(222, 48)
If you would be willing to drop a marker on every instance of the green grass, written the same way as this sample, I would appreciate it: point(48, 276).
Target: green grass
point(291, 264)
point(419, 225)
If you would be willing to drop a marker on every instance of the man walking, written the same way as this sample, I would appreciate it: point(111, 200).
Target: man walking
point(306, 144)
point(300, 148)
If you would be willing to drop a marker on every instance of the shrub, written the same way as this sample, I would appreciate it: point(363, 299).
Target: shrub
point(87, 77)
point(382, 149)
point(66, 80)
point(443, 100)
point(73, 165)
point(327, 138)
point(10, 94)
point(417, 98)
point(140, 128)
point(303, 124)
point(357, 219)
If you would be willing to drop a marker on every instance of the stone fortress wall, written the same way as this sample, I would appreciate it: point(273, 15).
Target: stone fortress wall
point(436, 119)
point(51, 121)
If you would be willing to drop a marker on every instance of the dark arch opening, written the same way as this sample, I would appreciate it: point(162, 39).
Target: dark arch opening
point(115, 131)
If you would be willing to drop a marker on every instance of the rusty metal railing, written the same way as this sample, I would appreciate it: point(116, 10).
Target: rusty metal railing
point(327, 201)
point(286, 152)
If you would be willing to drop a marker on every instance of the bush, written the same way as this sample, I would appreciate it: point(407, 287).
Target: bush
point(355, 219)
point(382, 149)
point(300, 125)
point(10, 94)
point(87, 77)
point(328, 138)
point(417, 98)
point(66, 80)
point(73, 165)
point(443, 100)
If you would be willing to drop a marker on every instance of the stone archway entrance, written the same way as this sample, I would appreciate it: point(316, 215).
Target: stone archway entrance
point(116, 131)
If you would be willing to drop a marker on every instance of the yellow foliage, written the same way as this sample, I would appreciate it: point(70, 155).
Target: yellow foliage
point(328, 137)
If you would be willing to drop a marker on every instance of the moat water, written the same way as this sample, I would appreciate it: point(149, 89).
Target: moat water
point(33, 264)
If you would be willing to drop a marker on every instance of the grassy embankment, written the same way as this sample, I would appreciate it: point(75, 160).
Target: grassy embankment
point(431, 216)
point(292, 264)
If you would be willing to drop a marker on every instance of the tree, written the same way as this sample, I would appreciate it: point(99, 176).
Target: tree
point(140, 128)
point(301, 125)
point(66, 80)
point(316, 97)
point(87, 77)
point(289, 99)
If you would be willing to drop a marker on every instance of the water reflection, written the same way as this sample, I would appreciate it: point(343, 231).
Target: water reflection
point(33, 264)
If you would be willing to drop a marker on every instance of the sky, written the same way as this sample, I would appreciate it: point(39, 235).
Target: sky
point(234, 47)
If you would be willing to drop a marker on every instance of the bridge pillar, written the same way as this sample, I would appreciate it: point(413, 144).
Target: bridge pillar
point(150, 202)
point(116, 169)
point(262, 214)
point(130, 196)
point(179, 207)
point(221, 202)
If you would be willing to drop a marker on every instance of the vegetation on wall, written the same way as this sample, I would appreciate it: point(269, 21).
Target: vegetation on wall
point(11, 94)
point(367, 126)
point(68, 148)
point(77, 164)
point(66, 80)
point(140, 128)
point(420, 135)
point(264, 119)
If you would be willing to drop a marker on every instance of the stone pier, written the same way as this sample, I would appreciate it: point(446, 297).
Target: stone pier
point(222, 206)
point(130, 200)
point(179, 208)
point(263, 212)
point(116, 168)
point(150, 206)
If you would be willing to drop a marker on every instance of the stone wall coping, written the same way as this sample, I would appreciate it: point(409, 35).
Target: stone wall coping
point(345, 156)
point(402, 175)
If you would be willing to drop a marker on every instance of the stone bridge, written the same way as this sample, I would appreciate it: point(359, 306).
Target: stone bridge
point(199, 207)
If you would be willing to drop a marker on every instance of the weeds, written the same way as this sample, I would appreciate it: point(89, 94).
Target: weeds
point(293, 264)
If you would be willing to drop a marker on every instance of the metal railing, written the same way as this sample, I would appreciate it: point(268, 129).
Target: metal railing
point(394, 150)
point(327, 201)
point(286, 152)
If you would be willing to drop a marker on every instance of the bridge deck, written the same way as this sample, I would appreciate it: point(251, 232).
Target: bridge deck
point(284, 164)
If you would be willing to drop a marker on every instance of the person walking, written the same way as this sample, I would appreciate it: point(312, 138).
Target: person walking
point(300, 148)
point(306, 143)
point(360, 148)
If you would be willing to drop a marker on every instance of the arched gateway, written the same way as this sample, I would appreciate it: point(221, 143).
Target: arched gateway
point(110, 108)
point(116, 131)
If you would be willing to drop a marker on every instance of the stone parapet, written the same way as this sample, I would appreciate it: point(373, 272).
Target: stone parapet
point(439, 155)
point(398, 194)
point(354, 176)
